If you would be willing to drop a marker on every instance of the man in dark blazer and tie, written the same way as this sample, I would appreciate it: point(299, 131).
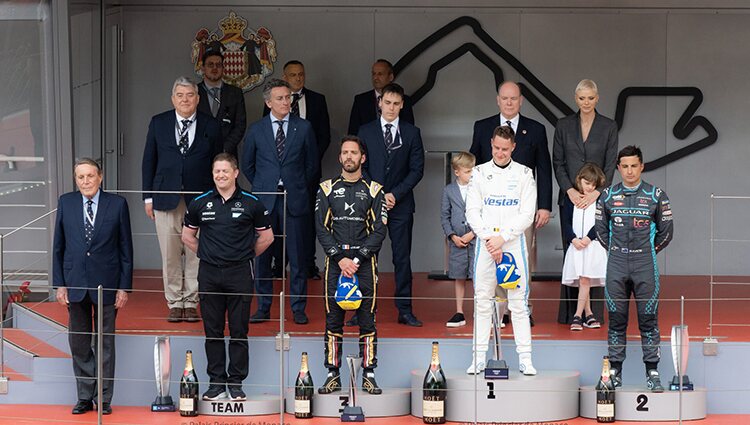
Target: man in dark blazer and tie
point(92, 247)
point(312, 106)
point(280, 154)
point(180, 146)
point(531, 150)
point(366, 105)
point(222, 101)
point(395, 157)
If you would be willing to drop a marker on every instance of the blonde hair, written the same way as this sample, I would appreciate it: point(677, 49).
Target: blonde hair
point(587, 84)
point(463, 160)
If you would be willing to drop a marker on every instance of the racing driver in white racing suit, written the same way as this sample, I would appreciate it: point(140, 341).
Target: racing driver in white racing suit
point(500, 205)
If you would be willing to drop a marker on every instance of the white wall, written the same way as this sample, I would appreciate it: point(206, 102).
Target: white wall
point(618, 48)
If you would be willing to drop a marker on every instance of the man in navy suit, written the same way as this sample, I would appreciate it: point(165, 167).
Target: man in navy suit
point(366, 105)
point(531, 150)
point(92, 246)
point(311, 106)
point(280, 154)
point(180, 146)
point(395, 156)
point(222, 101)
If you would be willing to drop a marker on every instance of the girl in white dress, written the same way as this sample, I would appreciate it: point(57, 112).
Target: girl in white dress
point(586, 260)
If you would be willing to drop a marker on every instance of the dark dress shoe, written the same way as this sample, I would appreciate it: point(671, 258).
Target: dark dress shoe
point(300, 318)
point(260, 317)
point(106, 409)
point(409, 320)
point(190, 314)
point(175, 315)
point(83, 406)
point(354, 321)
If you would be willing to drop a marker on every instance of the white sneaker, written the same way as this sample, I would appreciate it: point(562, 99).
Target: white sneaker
point(477, 366)
point(525, 366)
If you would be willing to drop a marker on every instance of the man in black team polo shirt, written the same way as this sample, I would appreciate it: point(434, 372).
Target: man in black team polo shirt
point(229, 219)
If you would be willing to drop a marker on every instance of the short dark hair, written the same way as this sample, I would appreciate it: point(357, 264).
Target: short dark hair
point(393, 88)
point(504, 132)
point(293, 62)
point(87, 161)
point(228, 157)
point(272, 84)
point(592, 174)
point(211, 52)
point(355, 139)
point(387, 63)
point(630, 150)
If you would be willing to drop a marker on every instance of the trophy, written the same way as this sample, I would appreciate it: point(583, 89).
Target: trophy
point(162, 369)
point(680, 350)
point(352, 412)
point(496, 368)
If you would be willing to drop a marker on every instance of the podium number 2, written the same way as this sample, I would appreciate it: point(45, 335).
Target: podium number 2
point(491, 389)
point(642, 399)
point(344, 402)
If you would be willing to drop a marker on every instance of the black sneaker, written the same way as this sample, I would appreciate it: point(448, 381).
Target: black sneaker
point(236, 393)
point(653, 381)
point(456, 321)
point(369, 384)
point(215, 392)
point(332, 383)
point(616, 376)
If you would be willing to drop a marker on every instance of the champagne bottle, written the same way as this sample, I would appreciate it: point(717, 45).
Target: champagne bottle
point(434, 391)
point(605, 395)
point(303, 391)
point(189, 388)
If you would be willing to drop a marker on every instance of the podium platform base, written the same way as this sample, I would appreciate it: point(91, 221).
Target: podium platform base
point(263, 404)
point(393, 402)
point(547, 397)
point(634, 403)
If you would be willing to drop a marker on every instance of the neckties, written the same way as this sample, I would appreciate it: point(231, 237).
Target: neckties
point(388, 137)
point(377, 106)
point(215, 103)
point(509, 124)
point(184, 145)
point(88, 222)
point(295, 103)
point(280, 138)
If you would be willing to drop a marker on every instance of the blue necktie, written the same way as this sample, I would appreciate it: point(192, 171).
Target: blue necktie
point(88, 223)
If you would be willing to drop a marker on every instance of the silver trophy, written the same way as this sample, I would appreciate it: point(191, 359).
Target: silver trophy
point(162, 370)
point(680, 351)
point(352, 412)
point(496, 368)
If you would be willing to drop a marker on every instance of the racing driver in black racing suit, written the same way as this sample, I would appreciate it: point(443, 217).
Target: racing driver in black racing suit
point(350, 220)
point(634, 223)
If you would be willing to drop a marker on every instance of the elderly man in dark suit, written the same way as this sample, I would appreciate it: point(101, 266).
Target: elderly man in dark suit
point(280, 154)
point(312, 106)
point(395, 156)
point(179, 148)
point(92, 247)
point(222, 101)
point(366, 107)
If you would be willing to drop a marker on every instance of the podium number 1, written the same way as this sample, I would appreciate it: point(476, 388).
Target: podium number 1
point(491, 389)
point(642, 399)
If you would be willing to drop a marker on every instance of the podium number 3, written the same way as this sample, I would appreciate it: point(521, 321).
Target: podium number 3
point(642, 399)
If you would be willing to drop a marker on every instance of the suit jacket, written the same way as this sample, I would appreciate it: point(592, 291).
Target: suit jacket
point(453, 212)
point(297, 167)
point(531, 150)
point(317, 113)
point(165, 168)
point(398, 171)
point(107, 260)
point(570, 152)
point(231, 114)
point(365, 109)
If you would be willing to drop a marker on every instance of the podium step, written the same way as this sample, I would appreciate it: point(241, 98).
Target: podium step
point(634, 403)
point(262, 404)
point(393, 402)
point(547, 397)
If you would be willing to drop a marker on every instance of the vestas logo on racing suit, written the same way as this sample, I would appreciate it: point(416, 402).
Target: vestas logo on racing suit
point(500, 201)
